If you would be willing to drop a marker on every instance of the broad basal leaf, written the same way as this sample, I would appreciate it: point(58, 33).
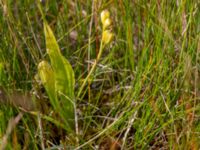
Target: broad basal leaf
point(63, 72)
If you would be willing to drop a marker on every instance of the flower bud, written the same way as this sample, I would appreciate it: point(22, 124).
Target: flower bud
point(104, 15)
point(107, 36)
point(107, 23)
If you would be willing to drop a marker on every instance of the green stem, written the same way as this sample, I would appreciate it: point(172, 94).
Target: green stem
point(92, 69)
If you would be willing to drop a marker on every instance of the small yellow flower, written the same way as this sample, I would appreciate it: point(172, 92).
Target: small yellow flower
point(104, 15)
point(107, 36)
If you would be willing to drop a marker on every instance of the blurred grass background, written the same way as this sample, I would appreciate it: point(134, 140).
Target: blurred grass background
point(145, 91)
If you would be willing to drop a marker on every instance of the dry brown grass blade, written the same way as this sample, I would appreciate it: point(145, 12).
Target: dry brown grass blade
point(11, 125)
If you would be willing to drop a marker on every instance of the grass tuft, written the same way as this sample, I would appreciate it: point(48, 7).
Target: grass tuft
point(129, 82)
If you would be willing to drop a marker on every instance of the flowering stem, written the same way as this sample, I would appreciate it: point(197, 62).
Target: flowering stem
point(92, 69)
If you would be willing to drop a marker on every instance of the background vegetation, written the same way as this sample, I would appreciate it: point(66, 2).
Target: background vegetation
point(143, 94)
